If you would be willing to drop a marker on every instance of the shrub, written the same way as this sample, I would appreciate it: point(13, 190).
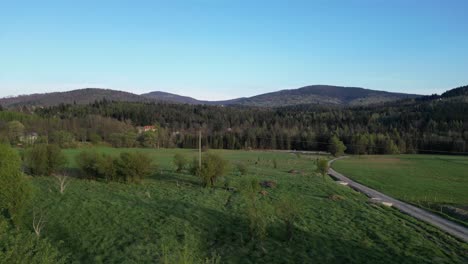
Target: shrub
point(20, 246)
point(241, 168)
point(212, 167)
point(180, 161)
point(44, 159)
point(257, 210)
point(97, 166)
point(322, 167)
point(15, 190)
point(288, 211)
point(133, 166)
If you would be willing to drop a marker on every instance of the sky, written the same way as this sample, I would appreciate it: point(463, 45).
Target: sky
point(220, 49)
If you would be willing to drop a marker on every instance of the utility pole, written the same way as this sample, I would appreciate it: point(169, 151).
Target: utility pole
point(199, 149)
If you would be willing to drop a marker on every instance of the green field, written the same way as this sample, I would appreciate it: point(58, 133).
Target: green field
point(429, 181)
point(97, 222)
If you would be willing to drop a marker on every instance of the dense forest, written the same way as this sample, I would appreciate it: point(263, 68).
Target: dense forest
point(424, 125)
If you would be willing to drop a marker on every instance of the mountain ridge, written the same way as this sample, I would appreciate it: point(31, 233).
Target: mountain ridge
point(312, 94)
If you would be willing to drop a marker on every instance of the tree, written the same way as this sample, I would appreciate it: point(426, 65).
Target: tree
point(180, 161)
point(15, 190)
point(63, 139)
point(44, 159)
point(15, 131)
point(63, 181)
point(336, 147)
point(212, 167)
point(148, 139)
point(322, 167)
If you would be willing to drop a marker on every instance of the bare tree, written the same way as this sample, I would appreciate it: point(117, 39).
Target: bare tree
point(63, 181)
point(38, 222)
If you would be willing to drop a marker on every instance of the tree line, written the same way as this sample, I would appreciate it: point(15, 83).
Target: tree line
point(407, 126)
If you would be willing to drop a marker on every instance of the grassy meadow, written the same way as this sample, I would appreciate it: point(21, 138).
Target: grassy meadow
point(170, 214)
point(430, 181)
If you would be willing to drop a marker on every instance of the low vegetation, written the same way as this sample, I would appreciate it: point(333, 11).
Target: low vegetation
point(170, 218)
point(434, 182)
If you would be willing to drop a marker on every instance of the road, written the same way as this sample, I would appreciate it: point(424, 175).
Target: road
point(446, 225)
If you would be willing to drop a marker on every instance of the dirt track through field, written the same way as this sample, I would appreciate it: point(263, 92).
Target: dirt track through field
point(433, 219)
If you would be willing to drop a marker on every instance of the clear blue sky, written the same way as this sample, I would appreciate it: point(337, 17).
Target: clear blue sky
point(216, 49)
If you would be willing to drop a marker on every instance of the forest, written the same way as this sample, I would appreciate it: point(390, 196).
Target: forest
point(432, 124)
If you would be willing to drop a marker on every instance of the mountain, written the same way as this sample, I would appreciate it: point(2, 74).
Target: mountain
point(81, 96)
point(315, 94)
point(323, 94)
point(169, 97)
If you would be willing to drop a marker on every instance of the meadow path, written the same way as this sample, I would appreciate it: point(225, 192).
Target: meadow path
point(433, 219)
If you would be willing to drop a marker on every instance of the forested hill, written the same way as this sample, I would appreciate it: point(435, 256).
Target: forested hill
point(431, 124)
point(323, 94)
point(81, 96)
point(315, 94)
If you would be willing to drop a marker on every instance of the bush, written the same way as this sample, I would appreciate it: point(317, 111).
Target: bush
point(322, 167)
point(96, 166)
point(257, 210)
point(19, 246)
point(287, 210)
point(15, 190)
point(42, 159)
point(128, 167)
point(133, 166)
point(212, 167)
point(241, 168)
point(180, 161)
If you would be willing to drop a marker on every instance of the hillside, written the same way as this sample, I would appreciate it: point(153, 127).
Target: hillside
point(81, 96)
point(169, 97)
point(315, 94)
point(323, 94)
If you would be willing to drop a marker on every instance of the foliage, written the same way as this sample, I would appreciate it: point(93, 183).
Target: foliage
point(15, 190)
point(20, 246)
point(63, 139)
point(288, 210)
point(96, 165)
point(133, 166)
point(322, 167)
point(257, 210)
point(241, 168)
point(44, 159)
point(15, 131)
point(212, 167)
point(101, 222)
point(336, 146)
point(128, 167)
point(186, 251)
point(148, 139)
point(180, 161)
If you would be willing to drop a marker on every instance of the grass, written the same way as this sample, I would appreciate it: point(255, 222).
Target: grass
point(97, 222)
point(430, 181)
